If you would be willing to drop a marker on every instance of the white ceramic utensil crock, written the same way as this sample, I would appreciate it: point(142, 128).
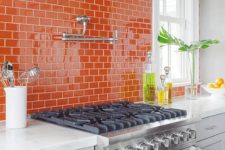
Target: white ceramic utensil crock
point(16, 107)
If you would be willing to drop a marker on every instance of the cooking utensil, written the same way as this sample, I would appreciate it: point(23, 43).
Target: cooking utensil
point(4, 73)
point(7, 73)
point(2, 80)
point(29, 76)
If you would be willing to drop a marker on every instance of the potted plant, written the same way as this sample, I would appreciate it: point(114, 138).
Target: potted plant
point(165, 38)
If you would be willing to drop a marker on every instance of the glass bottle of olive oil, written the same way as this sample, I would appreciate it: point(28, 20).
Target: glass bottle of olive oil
point(169, 87)
point(162, 91)
point(149, 84)
point(161, 96)
point(168, 84)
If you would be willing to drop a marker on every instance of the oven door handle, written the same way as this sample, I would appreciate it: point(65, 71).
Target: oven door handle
point(195, 148)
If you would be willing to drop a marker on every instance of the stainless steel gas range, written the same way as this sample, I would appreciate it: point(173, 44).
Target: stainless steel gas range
point(129, 126)
point(174, 134)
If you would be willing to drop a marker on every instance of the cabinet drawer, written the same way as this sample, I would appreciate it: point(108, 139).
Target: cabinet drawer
point(211, 126)
point(87, 148)
point(213, 143)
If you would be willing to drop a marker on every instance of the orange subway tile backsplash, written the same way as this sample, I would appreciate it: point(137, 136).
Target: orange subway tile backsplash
point(76, 73)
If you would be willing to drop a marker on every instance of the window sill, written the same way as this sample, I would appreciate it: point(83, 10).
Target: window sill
point(181, 84)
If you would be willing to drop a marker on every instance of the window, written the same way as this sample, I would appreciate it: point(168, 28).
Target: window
point(172, 18)
point(179, 18)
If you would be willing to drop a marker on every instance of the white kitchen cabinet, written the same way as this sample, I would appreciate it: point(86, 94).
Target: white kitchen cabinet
point(213, 143)
point(87, 148)
point(211, 132)
point(211, 126)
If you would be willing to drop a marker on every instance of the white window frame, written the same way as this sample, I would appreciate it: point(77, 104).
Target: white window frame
point(181, 20)
point(191, 25)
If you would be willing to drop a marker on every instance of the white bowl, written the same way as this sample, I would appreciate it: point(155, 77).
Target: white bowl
point(215, 92)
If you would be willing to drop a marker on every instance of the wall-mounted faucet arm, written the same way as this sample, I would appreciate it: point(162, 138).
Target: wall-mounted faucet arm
point(83, 20)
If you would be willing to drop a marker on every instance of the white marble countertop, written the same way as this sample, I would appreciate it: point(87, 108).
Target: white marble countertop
point(46, 136)
point(202, 107)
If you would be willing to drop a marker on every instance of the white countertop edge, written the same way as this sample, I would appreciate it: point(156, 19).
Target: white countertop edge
point(72, 145)
point(40, 135)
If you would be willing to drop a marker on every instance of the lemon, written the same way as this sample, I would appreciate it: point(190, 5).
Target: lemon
point(219, 81)
point(211, 85)
point(216, 85)
point(222, 86)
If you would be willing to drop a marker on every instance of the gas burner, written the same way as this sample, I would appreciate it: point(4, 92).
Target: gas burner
point(105, 118)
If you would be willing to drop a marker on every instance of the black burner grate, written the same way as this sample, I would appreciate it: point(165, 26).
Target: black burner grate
point(109, 117)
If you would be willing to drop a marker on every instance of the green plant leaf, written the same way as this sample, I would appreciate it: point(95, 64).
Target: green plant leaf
point(204, 46)
point(165, 38)
point(183, 49)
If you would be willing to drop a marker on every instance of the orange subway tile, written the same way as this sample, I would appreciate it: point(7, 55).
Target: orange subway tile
point(2, 27)
point(12, 27)
point(32, 20)
point(50, 103)
point(19, 19)
point(84, 99)
point(46, 7)
point(73, 100)
point(12, 11)
point(57, 8)
point(2, 10)
point(5, 18)
point(5, 34)
point(33, 5)
point(26, 12)
point(1, 42)
point(38, 104)
point(2, 116)
point(45, 21)
point(6, 51)
point(12, 43)
point(62, 101)
point(63, 2)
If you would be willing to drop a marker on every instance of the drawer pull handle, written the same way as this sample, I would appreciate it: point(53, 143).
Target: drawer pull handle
point(195, 148)
point(211, 127)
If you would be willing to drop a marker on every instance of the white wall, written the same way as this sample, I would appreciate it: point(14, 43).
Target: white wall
point(212, 26)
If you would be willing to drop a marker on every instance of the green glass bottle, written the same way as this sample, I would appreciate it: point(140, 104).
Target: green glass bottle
point(149, 84)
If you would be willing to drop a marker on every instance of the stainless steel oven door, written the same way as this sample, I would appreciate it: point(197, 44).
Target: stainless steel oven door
point(193, 148)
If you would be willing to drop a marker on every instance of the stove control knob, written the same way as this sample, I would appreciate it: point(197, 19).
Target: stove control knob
point(184, 136)
point(174, 138)
point(192, 133)
point(153, 144)
point(165, 142)
point(143, 146)
point(129, 147)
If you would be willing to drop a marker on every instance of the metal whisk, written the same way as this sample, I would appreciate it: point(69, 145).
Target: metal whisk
point(7, 74)
point(29, 76)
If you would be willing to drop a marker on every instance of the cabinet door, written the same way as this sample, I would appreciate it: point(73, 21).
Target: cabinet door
point(213, 143)
point(211, 126)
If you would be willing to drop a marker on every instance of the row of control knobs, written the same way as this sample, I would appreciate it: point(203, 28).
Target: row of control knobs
point(164, 141)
